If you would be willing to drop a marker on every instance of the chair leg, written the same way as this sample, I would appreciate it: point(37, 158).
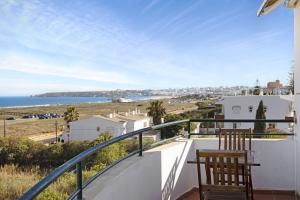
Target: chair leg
point(251, 186)
point(200, 195)
point(243, 174)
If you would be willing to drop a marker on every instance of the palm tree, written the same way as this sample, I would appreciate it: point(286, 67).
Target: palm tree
point(156, 111)
point(71, 115)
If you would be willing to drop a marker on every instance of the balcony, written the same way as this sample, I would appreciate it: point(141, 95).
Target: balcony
point(164, 173)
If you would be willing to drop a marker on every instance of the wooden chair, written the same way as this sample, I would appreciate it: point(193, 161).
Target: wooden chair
point(222, 175)
point(235, 139)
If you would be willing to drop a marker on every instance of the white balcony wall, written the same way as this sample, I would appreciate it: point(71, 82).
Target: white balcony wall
point(162, 173)
point(297, 84)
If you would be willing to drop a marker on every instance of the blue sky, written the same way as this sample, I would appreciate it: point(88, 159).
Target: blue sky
point(79, 45)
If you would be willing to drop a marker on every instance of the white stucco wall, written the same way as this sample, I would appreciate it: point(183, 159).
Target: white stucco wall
point(162, 173)
point(278, 107)
point(86, 129)
point(297, 85)
point(137, 124)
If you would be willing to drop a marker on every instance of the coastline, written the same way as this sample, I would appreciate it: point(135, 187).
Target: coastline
point(29, 127)
point(104, 100)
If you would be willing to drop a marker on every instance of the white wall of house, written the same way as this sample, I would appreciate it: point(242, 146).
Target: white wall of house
point(239, 107)
point(133, 125)
point(143, 123)
point(91, 128)
point(297, 85)
point(162, 173)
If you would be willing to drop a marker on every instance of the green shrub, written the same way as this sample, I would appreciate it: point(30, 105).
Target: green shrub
point(52, 195)
point(18, 150)
point(110, 153)
point(26, 162)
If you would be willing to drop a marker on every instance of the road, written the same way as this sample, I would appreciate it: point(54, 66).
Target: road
point(16, 121)
point(45, 138)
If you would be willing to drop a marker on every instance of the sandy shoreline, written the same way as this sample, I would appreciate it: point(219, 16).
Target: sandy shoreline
point(99, 102)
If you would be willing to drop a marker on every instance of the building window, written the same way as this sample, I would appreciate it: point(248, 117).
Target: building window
point(265, 108)
point(98, 128)
point(236, 109)
point(250, 108)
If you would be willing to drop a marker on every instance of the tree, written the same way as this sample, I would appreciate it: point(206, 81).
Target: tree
point(260, 127)
point(71, 115)
point(156, 111)
point(174, 130)
point(171, 131)
point(292, 79)
point(257, 88)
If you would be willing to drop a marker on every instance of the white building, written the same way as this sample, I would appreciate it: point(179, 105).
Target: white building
point(244, 107)
point(116, 124)
point(266, 7)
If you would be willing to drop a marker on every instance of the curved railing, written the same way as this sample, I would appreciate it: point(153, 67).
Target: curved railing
point(77, 160)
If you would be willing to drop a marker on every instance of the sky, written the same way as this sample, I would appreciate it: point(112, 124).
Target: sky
point(79, 45)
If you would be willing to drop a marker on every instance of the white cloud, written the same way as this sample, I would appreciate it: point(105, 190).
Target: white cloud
point(98, 37)
point(22, 86)
point(33, 66)
point(150, 5)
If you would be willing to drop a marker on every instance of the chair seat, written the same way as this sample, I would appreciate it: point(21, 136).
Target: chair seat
point(224, 196)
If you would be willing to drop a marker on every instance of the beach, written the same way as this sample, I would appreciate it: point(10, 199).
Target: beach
point(37, 127)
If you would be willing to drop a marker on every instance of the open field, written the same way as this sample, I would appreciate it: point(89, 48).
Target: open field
point(33, 127)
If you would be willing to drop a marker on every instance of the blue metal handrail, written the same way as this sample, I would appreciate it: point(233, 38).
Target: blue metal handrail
point(76, 161)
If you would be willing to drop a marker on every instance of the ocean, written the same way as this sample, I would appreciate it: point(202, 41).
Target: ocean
point(25, 101)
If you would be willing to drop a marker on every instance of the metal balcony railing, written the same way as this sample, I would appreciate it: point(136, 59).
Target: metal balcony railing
point(76, 162)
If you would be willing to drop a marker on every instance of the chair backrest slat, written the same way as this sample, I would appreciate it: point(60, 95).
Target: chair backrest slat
point(236, 171)
point(222, 170)
point(244, 140)
point(225, 142)
point(207, 168)
point(239, 141)
point(229, 169)
point(230, 140)
point(215, 171)
point(235, 139)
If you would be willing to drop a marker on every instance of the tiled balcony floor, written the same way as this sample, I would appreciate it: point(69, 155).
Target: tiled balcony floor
point(194, 195)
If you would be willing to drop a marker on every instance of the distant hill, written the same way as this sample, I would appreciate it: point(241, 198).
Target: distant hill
point(111, 94)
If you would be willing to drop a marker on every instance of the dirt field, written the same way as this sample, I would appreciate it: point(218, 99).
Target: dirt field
point(35, 127)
